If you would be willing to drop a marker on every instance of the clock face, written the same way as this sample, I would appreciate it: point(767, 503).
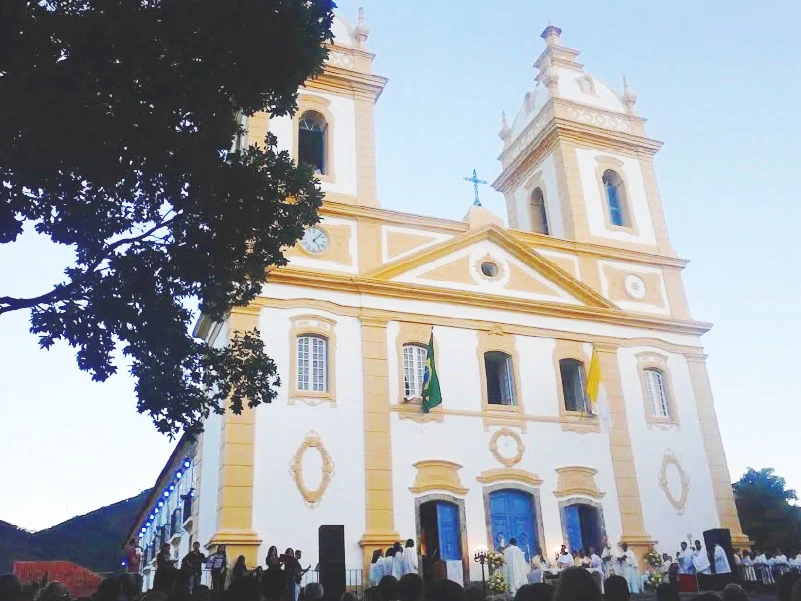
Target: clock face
point(635, 286)
point(314, 240)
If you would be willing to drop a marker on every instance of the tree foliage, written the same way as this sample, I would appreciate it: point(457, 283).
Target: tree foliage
point(766, 515)
point(117, 127)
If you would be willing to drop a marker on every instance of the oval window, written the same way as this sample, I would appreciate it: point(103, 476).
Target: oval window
point(489, 269)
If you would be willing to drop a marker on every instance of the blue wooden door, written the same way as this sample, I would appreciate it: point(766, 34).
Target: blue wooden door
point(573, 527)
point(512, 516)
point(450, 544)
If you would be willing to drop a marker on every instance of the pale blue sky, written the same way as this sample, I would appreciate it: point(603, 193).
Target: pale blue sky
point(719, 83)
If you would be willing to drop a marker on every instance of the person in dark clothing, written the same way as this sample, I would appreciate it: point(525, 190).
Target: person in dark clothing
point(165, 570)
point(219, 569)
point(410, 587)
point(576, 584)
point(194, 561)
point(240, 569)
point(273, 583)
point(617, 589)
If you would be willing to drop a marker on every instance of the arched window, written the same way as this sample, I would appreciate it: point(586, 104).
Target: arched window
point(312, 130)
point(656, 392)
point(574, 385)
point(616, 198)
point(500, 378)
point(313, 363)
point(414, 367)
point(539, 217)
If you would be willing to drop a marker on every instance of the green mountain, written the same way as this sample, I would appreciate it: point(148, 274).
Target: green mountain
point(92, 540)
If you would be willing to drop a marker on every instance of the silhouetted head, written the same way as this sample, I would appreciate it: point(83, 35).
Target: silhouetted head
point(577, 584)
point(55, 591)
point(513, 541)
point(196, 547)
point(409, 543)
point(708, 596)
point(273, 584)
point(313, 592)
point(298, 554)
point(391, 552)
point(784, 587)
point(616, 589)
point(240, 561)
point(388, 587)
point(377, 554)
point(474, 592)
point(444, 590)
point(683, 546)
point(10, 588)
point(165, 548)
point(410, 587)
point(539, 591)
point(734, 592)
point(348, 596)
point(398, 547)
point(221, 549)
point(667, 592)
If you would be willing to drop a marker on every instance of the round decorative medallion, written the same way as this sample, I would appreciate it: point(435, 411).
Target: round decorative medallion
point(674, 481)
point(315, 240)
point(507, 447)
point(312, 441)
point(635, 286)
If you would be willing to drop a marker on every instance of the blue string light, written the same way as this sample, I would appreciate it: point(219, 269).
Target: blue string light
point(178, 475)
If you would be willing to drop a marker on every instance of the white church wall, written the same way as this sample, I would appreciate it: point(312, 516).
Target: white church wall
point(635, 192)
point(636, 305)
point(281, 516)
point(602, 96)
point(206, 498)
point(651, 443)
point(500, 316)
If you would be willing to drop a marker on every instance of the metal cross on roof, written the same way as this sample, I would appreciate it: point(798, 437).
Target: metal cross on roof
point(475, 181)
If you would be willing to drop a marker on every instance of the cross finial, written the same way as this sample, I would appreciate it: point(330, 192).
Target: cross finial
point(475, 181)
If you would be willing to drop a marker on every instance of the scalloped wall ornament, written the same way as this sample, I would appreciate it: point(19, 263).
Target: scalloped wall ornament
point(507, 459)
point(670, 459)
point(312, 441)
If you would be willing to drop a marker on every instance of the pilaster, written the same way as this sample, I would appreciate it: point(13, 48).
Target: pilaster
point(380, 517)
point(625, 472)
point(235, 489)
point(716, 456)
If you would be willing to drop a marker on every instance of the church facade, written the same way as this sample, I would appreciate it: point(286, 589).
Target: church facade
point(516, 449)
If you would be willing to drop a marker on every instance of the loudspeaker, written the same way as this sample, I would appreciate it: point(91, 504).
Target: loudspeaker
point(332, 561)
point(722, 537)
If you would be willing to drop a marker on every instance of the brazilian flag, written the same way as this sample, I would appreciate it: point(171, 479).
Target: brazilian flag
point(431, 392)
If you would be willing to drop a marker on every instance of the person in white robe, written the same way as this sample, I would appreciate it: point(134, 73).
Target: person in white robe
point(565, 559)
point(798, 561)
point(535, 575)
point(721, 561)
point(596, 562)
point(409, 558)
point(377, 567)
point(606, 558)
point(701, 559)
point(666, 562)
point(630, 568)
point(686, 560)
point(748, 567)
point(780, 559)
point(515, 566)
point(389, 562)
point(397, 561)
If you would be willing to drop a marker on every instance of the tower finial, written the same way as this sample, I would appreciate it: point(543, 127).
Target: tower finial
point(362, 31)
point(505, 132)
point(551, 35)
point(629, 97)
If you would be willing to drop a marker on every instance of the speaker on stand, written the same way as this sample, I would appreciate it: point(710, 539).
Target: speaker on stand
point(331, 541)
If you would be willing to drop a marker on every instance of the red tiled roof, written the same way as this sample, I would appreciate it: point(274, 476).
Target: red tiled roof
point(79, 581)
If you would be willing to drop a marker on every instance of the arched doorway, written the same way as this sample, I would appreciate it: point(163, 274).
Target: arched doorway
point(512, 514)
point(582, 524)
point(440, 530)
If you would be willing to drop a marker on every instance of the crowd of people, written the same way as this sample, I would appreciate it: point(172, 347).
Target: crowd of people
point(398, 561)
point(574, 584)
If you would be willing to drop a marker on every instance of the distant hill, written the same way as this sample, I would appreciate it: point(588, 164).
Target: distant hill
point(92, 540)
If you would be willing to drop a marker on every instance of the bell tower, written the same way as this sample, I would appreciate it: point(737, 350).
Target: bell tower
point(333, 128)
point(576, 161)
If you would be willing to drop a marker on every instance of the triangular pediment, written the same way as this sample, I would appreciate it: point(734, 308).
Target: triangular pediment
point(490, 261)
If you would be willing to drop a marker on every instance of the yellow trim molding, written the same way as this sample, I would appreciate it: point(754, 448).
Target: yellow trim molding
point(312, 325)
point(311, 441)
point(493, 447)
point(652, 360)
point(508, 474)
point(684, 480)
point(577, 480)
point(438, 474)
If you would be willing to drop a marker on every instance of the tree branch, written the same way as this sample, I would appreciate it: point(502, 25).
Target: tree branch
point(10, 303)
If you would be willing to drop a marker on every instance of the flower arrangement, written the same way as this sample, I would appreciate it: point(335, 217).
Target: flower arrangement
point(653, 580)
point(496, 582)
point(652, 558)
point(494, 560)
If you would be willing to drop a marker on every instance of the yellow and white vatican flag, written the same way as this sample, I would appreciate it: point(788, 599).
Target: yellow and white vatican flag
point(596, 392)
